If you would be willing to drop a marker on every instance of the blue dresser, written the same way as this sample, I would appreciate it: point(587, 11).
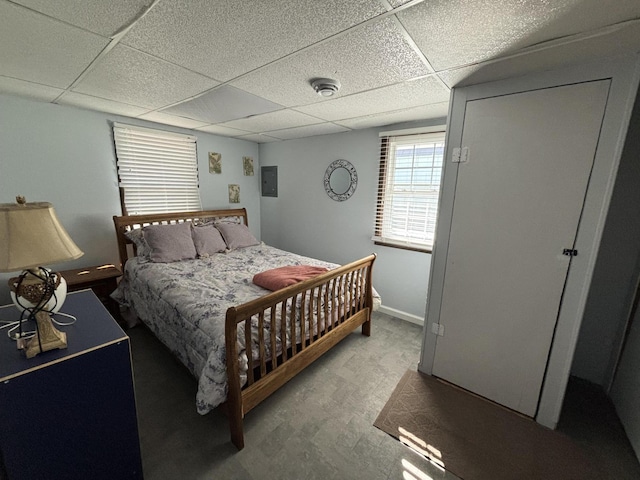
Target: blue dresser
point(70, 414)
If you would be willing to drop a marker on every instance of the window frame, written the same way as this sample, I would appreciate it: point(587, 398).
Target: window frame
point(385, 181)
point(154, 164)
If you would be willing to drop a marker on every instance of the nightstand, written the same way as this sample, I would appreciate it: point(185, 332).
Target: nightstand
point(102, 279)
point(70, 413)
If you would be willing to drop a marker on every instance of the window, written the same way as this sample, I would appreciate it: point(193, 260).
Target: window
point(157, 170)
point(408, 189)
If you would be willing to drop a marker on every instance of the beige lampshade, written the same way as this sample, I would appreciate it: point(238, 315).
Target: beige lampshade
point(31, 235)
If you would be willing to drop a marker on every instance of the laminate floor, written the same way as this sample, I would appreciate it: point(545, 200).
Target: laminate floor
point(318, 426)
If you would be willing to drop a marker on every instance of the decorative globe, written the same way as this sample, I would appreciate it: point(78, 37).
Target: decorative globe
point(30, 292)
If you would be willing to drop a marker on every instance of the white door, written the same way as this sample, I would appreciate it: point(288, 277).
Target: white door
point(517, 206)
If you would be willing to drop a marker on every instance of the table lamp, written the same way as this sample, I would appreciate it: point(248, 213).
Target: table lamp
point(30, 236)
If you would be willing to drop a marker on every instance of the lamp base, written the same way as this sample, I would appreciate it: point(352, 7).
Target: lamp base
point(47, 337)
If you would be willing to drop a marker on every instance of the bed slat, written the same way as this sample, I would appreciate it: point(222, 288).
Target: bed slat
point(303, 323)
point(273, 328)
point(283, 330)
point(292, 317)
point(248, 349)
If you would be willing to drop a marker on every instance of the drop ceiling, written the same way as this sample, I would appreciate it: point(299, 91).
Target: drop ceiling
point(243, 68)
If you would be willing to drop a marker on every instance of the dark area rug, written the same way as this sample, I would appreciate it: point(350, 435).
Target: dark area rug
point(476, 439)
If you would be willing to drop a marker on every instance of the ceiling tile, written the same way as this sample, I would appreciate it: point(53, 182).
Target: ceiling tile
point(259, 138)
point(42, 50)
point(460, 32)
point(624, 40)
point(100, 104)
point(36, 91)
point(404, 95)
point(223, 104)
point(228, 38)
point(135, 78)
point(174, 120)
point(98, 16)
point(436, 110)
point(266, 53)
point(307, 131)
point(368, 57)
point(222, 130)
point(457, 76)
point(273, 121)
point(397, 3)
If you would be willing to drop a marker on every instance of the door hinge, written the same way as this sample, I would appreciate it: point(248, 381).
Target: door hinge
point(437, 329)
point(460, 155)
point(570, 252)
point(464, 155)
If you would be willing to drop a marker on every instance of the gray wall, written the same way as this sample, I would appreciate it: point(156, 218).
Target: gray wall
point(616, 272)
point(626, 387)
point(65, 156)
point(622, 278)
point(303, 219)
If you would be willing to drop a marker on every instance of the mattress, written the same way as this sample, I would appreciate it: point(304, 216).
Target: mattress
point(184, 304)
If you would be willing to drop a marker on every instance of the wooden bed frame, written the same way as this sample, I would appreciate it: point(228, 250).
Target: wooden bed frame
point(317, 297)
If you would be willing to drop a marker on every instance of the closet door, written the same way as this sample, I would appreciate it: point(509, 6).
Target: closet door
point(517, 206)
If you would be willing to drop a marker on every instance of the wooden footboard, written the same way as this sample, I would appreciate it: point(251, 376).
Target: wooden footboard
point(315, 315)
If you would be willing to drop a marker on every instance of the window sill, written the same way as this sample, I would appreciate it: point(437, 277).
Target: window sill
point(404, 247)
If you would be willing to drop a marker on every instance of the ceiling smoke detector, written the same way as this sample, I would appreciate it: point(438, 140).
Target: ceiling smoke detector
point(325, 86)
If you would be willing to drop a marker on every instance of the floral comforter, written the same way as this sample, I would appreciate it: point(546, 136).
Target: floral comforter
point(184, 304)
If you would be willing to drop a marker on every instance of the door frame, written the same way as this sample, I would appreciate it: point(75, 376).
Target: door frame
point(624, 73)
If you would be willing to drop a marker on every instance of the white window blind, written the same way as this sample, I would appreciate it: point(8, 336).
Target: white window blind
point(408, 189)
point(157, 170)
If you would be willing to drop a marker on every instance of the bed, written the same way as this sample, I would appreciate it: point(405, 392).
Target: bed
point(207, 309)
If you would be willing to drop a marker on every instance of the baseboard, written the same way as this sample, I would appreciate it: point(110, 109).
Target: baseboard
point(402, 315)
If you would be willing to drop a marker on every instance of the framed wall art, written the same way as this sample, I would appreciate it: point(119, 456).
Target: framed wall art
point(215, 162)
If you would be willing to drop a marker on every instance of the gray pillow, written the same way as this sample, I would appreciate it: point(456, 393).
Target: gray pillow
point(207, 240)
point(236, 235)
point(142, 247)
point(170, 243)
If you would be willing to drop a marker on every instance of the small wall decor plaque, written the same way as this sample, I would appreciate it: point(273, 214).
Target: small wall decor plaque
point(215, 162)
point(247, 165)
point(234, 193)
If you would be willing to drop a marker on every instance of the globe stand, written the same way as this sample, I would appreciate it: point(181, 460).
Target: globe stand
point(47, 337)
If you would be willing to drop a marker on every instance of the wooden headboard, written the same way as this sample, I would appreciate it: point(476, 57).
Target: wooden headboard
point(126, 223)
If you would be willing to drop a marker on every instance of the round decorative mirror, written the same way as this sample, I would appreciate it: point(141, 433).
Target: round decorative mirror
point(340, 180)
